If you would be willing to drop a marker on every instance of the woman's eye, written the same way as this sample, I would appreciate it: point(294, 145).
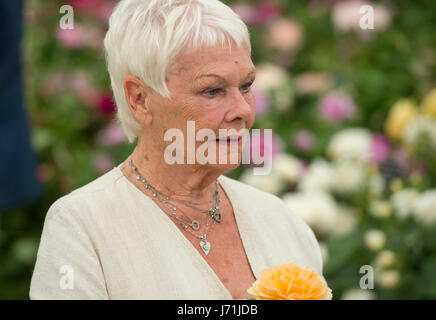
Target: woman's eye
point(212, 92)
point(246, 87)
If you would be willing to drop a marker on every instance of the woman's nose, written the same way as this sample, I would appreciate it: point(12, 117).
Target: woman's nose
point(239, 107)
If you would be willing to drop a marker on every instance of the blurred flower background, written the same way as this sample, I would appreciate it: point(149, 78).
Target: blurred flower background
point(353, 114)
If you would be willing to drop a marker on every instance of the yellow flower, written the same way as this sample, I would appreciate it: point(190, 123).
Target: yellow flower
point(399, 116)
point(429, 104)
point(290, 282)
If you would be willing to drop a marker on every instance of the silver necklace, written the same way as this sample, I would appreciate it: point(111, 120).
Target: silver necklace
point(212, 213)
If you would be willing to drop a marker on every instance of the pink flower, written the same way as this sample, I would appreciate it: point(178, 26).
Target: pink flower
point(99, 8)
point(337, 106)
point(346, 15)
point(106, 104)
point(81, 36)
point(303, 140)
point(54, 83)
point(83, 88)
point(262, 101)
point(111, 135)
point(380, 148)
point(401, 158)
point(94, 38)
point(71, 38)
point(285, 34)
point(264, 148)
point(103, 163)
point(85, 4)
point(245, 11)
point(312, 82)
point(409, 163)
point(266, 12)
point(104, 11)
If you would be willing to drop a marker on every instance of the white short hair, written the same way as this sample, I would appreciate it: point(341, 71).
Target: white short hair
point(145, 36)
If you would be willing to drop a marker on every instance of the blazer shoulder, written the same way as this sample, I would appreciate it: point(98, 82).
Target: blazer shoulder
point(79, 202)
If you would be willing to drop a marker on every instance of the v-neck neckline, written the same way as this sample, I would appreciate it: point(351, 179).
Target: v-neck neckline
point(237, 211)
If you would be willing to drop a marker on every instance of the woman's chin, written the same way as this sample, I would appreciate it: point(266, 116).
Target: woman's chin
point(228, 165)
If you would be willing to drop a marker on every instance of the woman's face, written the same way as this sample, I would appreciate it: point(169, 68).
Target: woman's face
point(210, 86)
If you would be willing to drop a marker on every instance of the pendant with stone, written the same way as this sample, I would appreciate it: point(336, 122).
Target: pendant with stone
point(205, 246)
point(195, 225)
point(217, 216)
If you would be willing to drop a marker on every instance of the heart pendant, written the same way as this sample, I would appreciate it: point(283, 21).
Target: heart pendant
point(205, 246)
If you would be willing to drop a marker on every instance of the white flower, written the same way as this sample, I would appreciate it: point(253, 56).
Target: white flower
point(403, 202)
point(380, 209)
point(349, 176)
point(376, 184)
point(374, 239)
point(346, 15)
point(274, 80)
point(312, 82)
point(354, 143)
point(358, 294)
point(269, 76)
point(420, 126)
point(424, 209)
point(385, 259)
point(388, 278)
point(346, 221)
point(269, 183)
point(317, 209)
point(287, 167)
point(285, 34)
point(283, 98)
point(320, 176)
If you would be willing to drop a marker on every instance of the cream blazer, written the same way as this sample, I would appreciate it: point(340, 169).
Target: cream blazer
point(108, 240)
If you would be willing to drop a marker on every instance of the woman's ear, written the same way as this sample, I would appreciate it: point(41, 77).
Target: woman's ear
point(136, 95)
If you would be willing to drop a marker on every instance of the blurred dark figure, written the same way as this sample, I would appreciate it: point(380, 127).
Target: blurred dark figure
point(18, 179)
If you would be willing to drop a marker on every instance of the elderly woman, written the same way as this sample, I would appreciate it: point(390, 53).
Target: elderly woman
point(155, 229)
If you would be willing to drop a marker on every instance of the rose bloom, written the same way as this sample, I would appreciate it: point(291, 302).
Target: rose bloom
point(424, 208)
point(312, 82)
point(269, 76)
point(380, 148)
point(399, 116)
point(429, 103)
point(261, 147)
point(71, 38)
point(303, 140)
point(374, 239)
point(419, 128)
point(346, 15)
point(290, 282)
point(262, 101)
point(285, 34)
point(318, 209)
point(245, 11)
point(337, 106)
point(352, 143)
point(266, 12)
